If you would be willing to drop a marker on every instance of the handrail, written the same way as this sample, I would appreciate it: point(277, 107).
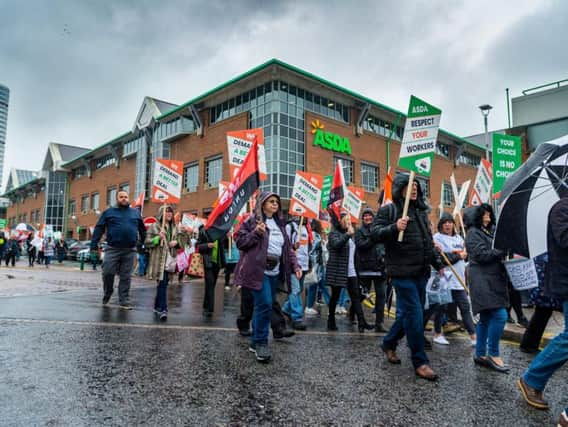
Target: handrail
point(557, 84)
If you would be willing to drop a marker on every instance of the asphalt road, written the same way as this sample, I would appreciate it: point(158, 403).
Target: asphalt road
point(67, 361)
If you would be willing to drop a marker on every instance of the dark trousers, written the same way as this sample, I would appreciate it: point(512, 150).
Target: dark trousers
point(118, 261)
point(211, 274)
point(11, 258)
point(229, 268)
point(380, 284)
point(354, 295)
point(535, 330)
point(161, 300)
point(277, 320)
point(516, 304)
point(31, 257)
point(462, 301)
point(438, 311)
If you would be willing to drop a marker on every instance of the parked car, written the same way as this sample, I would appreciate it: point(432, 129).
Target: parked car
point(85, 254)
point(73, 252)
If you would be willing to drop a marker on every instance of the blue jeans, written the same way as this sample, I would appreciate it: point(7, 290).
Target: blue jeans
point(142, 261)
point(343, 298)
point(554, 355)
point(410, 294)
point(263, 299)
point(489, 330)
point(293, 305)
point(161, 301)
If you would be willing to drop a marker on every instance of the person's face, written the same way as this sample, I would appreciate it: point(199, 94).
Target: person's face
point(367, 219)
point(169, 215)
point(486, 218)
point(414, 191)
point(271, 205)
point(448, 228)
point(122, 199)
point(345, 222)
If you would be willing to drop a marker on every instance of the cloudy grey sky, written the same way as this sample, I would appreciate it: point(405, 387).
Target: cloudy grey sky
point(78, 70)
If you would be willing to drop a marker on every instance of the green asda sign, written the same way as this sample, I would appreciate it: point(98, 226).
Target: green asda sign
point(329, 140)
point(507, 158)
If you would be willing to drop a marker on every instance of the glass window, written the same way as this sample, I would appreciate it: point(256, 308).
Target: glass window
point(443, 150)
point(84, 204)
point(105, 161)
point(125, 187)
point(469, 159)
point(191, 177)
point(72, 208)
point(95, 201)
point(213, 171)
point(370, 177)
point(111, 196)
point(448, 195)
point(425, 184)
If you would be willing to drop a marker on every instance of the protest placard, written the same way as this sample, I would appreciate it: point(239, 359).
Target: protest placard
point(167, 182)
point(306, 195)
point(522, 273)
point(238, 145)
point(481, 190)
point(353, 202)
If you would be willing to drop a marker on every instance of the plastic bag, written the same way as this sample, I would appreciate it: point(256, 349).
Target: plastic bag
point(437, 291)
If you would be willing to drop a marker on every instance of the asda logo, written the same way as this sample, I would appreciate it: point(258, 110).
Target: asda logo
point(329, 140)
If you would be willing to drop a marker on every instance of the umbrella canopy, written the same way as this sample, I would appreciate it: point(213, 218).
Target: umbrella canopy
point(24, 227)
point(527, 197)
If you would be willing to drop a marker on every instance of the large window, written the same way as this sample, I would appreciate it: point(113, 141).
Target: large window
point(95, 201)
point(111, 196)
point(443, 150)
point(191, 177)
point(105, 161)
point(72, 208)
point(425, 184)
point(469, 159)
point(84, 204)
point(448, 194)
point(370, 177)
point(347, 168)
point(382, 127)
point(55, 199)
point(126, 187)
point(213, 171)
point(79, 172)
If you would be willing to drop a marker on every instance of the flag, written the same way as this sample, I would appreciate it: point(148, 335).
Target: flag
point(139, 201)
point(235, 196)
point(387, 191)
point(337, 191)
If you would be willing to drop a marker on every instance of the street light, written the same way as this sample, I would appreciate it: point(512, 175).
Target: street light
point(485, 109)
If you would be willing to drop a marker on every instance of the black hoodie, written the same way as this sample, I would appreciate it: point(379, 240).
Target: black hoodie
point(415, 254)
point(369, 254)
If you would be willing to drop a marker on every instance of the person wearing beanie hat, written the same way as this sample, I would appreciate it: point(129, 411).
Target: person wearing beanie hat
point(370, 265)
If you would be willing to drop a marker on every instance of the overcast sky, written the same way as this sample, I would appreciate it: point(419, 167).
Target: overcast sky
point(78, 70)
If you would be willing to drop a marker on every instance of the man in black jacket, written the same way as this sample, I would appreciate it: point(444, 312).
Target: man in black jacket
point(534, 380)
point(370, 265)
point(408, 264)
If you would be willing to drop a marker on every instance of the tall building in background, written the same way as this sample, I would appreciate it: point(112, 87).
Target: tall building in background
point(4, 98)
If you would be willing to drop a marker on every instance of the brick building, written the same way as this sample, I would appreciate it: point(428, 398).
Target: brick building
point(288, 103)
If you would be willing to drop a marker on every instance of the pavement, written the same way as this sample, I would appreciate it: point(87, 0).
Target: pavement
point(68, 361)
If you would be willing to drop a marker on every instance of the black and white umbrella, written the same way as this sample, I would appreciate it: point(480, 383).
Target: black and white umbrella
point(527, 197)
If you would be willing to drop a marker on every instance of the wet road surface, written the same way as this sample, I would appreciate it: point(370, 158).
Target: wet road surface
point(68, 361)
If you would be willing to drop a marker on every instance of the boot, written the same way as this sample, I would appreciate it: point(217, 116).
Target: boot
point(331, 326)
point(363, 323)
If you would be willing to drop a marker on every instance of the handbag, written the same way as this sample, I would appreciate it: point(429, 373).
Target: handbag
point(182, 260)
point(171, 263)
point(196, 267)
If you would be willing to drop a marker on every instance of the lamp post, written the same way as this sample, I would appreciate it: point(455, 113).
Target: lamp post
point(485, 109)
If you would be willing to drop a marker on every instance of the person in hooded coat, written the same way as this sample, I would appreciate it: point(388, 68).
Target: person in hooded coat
point(170, 239)
point(266, 255)
point(408, 263)
point(487, 282)
point(213, 252)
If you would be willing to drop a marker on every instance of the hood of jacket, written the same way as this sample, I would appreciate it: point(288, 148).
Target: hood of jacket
point(399, 182)
point(476, 216)
point(262, 197)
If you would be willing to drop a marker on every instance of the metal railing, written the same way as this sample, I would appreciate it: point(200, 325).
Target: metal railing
point(547, 86)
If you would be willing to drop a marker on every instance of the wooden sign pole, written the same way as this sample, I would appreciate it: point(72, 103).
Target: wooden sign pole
point(406, 202)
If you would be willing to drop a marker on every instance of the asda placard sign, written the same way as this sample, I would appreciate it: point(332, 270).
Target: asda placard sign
point(507, 158)
point(419, 139)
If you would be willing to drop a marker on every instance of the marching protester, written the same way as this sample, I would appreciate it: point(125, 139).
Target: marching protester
point(122, 225)
point(48, 250)
point(293, 307)
point(555, 354)
point(340, 270)
point(408, 265)
point(320, 257)
point(231, 259)
point(60, 250)
point(11, 251)
point(487, 282)
point(370, 265)
point(452, 245)
point(162, 242)
point(31, 250)
point(213, 261)
point(266, 254)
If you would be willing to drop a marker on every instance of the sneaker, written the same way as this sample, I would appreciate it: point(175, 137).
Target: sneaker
point(441, 340)
point(164, 316)
point(125, 306)
point(311, 311)
point(298, 326)
point(563, 420)
point(157, 312)
point(262, 352)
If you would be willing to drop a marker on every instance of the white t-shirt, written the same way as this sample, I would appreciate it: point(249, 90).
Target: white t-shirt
point(302, 254)
point(275, 244)
point(351, 272)
point(451, 244)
